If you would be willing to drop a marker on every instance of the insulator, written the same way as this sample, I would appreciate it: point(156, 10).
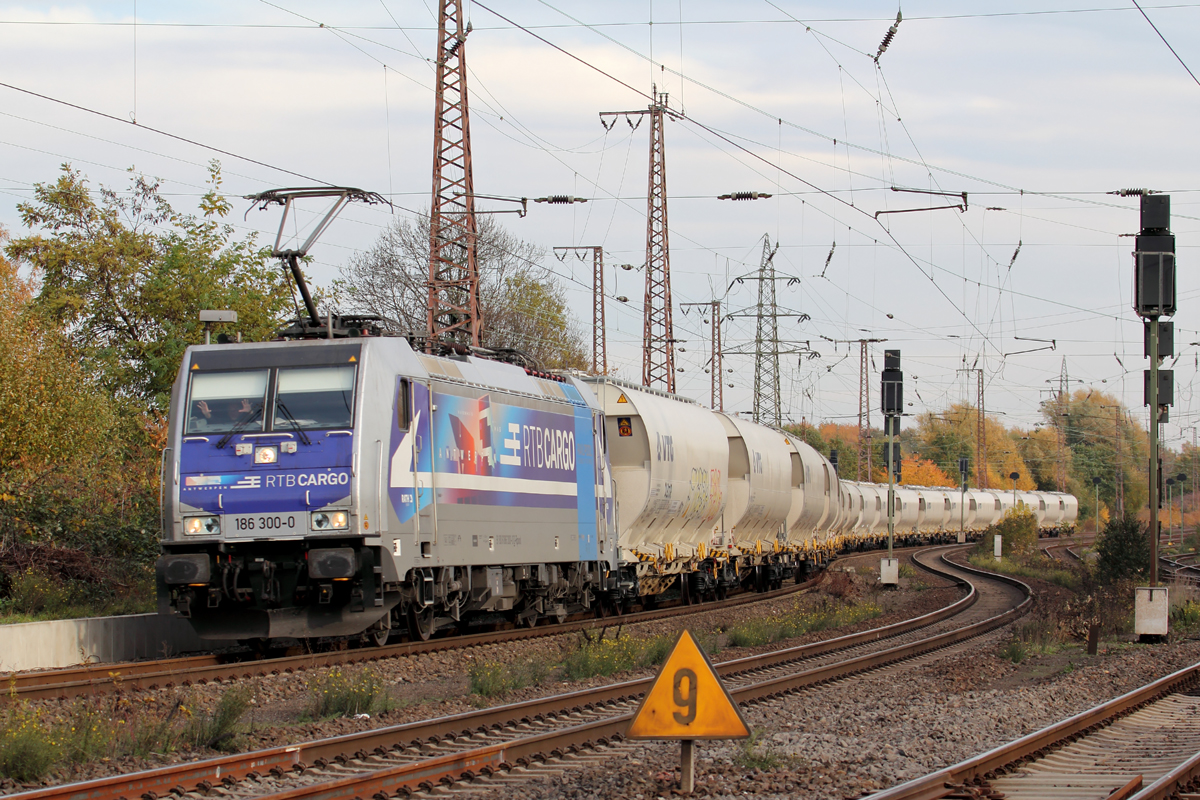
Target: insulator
point(743, 196)
point(559, 199)
point(1131, 192)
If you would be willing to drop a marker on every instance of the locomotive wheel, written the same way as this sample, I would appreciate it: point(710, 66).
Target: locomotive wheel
point(420, 624)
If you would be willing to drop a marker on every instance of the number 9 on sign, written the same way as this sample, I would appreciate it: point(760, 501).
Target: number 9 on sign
point(685, 696)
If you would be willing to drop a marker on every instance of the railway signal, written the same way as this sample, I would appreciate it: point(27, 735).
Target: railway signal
point(1154, 297)
point(892, 392)
point(963, 470)
point(687, 702)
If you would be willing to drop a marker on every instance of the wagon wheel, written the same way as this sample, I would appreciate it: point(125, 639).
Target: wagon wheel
point(380, 638)
point(420, 624)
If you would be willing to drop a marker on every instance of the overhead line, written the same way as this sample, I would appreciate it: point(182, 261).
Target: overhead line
point(161, 132)
point(1168, 44)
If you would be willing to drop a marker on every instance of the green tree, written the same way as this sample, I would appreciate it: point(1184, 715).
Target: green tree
point(126, 276)
point(1123, 550)
point(522, 304)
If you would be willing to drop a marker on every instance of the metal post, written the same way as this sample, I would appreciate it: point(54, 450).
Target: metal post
point(1153, 471)
point(1096, 484)
point(687, 766)
point(891, 490)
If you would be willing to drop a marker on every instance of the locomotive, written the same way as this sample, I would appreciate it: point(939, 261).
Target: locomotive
point(355, 486)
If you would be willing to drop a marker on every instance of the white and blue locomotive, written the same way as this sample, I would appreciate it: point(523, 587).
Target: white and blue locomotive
point(334, 487)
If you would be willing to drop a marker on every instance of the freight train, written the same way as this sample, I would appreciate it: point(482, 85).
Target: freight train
point(355, 486)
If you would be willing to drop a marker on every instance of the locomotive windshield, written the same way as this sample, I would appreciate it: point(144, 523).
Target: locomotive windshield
point(316, 397)
point(223, 401)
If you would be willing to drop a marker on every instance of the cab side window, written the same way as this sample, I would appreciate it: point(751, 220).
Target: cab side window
point(403, 405)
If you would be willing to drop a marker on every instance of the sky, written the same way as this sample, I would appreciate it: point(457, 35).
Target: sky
point(1036, 110)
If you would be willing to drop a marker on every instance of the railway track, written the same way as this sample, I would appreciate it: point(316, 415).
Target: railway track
point(479, 749)
point(137, 675)
point(1144, 745)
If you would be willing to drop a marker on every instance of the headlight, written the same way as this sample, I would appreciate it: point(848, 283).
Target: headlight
point(202, 526)
point(330, 521)
point(266, 455)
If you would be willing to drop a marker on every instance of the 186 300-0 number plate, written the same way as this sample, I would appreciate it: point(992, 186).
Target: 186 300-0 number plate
point(264, 524)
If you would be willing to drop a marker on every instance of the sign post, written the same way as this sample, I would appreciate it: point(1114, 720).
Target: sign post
point(687, 702)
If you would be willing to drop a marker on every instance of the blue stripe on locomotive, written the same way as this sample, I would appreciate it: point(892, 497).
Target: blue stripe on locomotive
point(220, 482)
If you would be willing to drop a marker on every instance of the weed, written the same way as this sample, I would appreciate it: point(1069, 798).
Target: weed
point(1186, 615)
point(1015, 651)
point(609, 656)
point(218, 730)
point(496, 678)
point(754, 753)
point(906, 571)
point(28, 748)
point(87, 733)
point(346, 692)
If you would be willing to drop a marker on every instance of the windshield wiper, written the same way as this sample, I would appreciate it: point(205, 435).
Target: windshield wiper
point(295, 425)
point(246, 418)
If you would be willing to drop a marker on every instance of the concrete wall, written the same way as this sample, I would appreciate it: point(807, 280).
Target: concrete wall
point(63, 643)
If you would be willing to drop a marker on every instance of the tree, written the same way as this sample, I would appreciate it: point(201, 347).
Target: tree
point(1018, 530)
point(1123, 550)
point(78, 468)
point(126, 277)
point(923, 472)
point(521, 304)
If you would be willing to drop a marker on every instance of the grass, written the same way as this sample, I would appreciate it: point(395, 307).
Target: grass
point(905, 570)
point(798, 622)
point(33, 744)
point(1032, 566)
point(1040, 635)
point(346, 692)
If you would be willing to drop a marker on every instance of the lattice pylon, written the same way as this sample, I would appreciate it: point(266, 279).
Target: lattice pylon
point(658, 349)
point(981, 465)
point(599, 336)
point(767, 401)
point(453, 309)
point(864, 415)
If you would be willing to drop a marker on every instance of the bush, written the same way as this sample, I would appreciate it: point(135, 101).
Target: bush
point(1018, 530)
point(1123, 551)
point(346, 692)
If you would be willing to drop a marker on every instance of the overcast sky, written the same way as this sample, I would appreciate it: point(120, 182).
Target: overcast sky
point(1036, 110)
